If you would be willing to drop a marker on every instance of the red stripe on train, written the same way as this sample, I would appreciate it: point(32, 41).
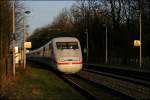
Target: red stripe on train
point(61, 63)
point(64, 63)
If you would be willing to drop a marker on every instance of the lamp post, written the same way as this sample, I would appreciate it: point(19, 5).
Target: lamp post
point(24, 39)
point(106, 45)
point(140, 41)
point(106, 49)
point(140, 25)
point(87, 44)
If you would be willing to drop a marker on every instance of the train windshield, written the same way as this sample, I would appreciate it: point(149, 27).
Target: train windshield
point(67, 45)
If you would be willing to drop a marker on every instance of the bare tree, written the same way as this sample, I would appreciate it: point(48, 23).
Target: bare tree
point(5, 35)
point(119, 16)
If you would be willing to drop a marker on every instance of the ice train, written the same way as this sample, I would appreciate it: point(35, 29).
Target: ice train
point(63, 53)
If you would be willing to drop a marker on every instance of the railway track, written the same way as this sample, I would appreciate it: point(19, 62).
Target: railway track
point(136, 88)
point(93, 90)
point(134, 80)
point(136, 74)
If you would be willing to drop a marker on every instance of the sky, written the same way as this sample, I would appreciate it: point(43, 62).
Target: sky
point(44, 12)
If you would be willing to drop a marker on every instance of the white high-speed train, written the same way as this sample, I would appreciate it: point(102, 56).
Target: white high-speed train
point(63, 53)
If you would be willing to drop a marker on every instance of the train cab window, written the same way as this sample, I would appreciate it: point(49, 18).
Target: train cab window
point(67, 45)
point(72, 45)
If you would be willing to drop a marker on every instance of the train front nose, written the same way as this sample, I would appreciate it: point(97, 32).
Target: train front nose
point(68, 66)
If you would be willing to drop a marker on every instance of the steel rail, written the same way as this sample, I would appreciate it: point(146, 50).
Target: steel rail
point(80, 88)
point(142, 75)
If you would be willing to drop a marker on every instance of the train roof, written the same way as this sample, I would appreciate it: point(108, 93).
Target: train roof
point(63, 39)
point(56, 39)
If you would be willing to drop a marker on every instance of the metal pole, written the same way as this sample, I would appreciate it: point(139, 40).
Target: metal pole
point(24, 39)
point(106, 44)
point(13, 39)
point(87, 43)
point(141, 42)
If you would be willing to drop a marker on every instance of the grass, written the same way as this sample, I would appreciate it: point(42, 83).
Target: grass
point(37, 83)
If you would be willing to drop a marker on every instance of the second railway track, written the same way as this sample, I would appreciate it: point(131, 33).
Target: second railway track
point(120, 77)
point(133, 89)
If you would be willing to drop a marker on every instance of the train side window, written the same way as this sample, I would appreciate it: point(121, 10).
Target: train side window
point(50, 49)
point(50, 46)
point(43, 51)
point(46, 50)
